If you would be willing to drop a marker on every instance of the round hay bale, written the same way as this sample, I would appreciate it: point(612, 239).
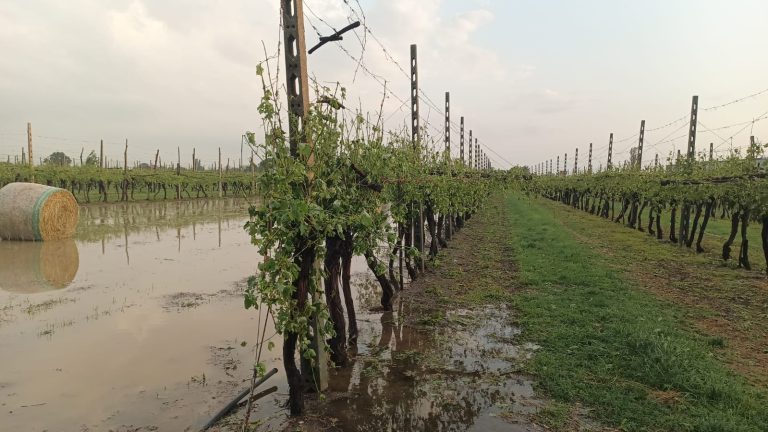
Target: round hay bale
point(30, 211)
point(37, 267)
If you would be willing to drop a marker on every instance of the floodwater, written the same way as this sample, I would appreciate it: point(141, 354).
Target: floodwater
point(138, 324)
point(463, 375)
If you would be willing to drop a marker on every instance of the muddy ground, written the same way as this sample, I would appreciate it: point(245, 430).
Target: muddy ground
point(446, 359)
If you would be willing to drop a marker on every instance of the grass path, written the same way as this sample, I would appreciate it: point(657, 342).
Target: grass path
point(612, 341)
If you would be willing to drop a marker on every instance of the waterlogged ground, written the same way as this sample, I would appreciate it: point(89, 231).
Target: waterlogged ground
point(449, 358)
point(463, 376)
point(136, 324)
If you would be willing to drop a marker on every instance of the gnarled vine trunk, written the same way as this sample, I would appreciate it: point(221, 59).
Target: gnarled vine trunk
point(387, 293)
point(347, 251)
point(744, 250)
point(432, 226)
point(696, 217)
point(305, 260)
point(338, 342)
point(440, 228)
point(732, 236)
point(707, 214)
point(672, 218)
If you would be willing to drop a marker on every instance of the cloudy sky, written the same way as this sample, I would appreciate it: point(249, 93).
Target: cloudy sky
point(534, 79)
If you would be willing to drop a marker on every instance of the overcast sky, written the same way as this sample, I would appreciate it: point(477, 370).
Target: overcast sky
point(534, 79)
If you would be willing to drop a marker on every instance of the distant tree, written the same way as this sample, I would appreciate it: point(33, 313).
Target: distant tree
point(92, 159)
point(58, 158)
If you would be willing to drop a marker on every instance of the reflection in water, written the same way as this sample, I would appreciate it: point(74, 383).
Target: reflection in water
point(150, 335)
point(459, 376)
point(32, 267)
point(107, 221)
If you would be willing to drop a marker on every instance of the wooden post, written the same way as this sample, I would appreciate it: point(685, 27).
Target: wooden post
point(448, 126)
point(461, 142)
point(565, 164)
point(640, 140)
point(194, 161)
point(711, 150)
point(692, 130)
point(470, 161)
point(418, 226)
point(576, 161)
point(157, 156)
point(23, 157)
point(477, 154)
point(82, 149)
point(558, 166)
point(610, 153)
point(297, 84)
point(589, 164)
point(415, 132)
point(448, 219)
point(30, 157)
point(101, 155)
point(220, 192)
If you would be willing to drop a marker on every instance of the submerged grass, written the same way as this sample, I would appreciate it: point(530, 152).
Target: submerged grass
point(619, 350)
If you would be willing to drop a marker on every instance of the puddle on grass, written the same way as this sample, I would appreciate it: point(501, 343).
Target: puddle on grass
point(462, 375)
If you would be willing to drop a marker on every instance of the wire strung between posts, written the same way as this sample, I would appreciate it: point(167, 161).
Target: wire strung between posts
point(389, 57)
point(381, 80)
point(666, 140)
point(725, 140)
point(735, 101)
point(423, 96)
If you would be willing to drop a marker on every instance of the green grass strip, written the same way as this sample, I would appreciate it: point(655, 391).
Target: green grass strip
point(619, 351)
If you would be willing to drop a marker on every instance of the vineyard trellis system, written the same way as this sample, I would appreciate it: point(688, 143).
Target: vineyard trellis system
point(91, 183)
point(336, 185)
point(692, 191)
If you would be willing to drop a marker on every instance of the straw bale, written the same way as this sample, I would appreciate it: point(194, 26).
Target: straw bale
point(30, 211)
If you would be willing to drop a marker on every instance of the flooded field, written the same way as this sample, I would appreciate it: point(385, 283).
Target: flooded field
point(136, 324)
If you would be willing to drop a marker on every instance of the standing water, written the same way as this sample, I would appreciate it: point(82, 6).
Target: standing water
point(136, 324)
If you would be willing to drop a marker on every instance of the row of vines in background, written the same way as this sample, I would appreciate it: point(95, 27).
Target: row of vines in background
point(350, 189)
point(93, 184)
point(691, 192)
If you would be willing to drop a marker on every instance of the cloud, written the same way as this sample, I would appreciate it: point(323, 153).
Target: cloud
point(181, 72)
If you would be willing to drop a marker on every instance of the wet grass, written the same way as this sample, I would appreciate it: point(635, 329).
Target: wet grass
point(717, 232)
point(632, 358)
point(728, 306)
